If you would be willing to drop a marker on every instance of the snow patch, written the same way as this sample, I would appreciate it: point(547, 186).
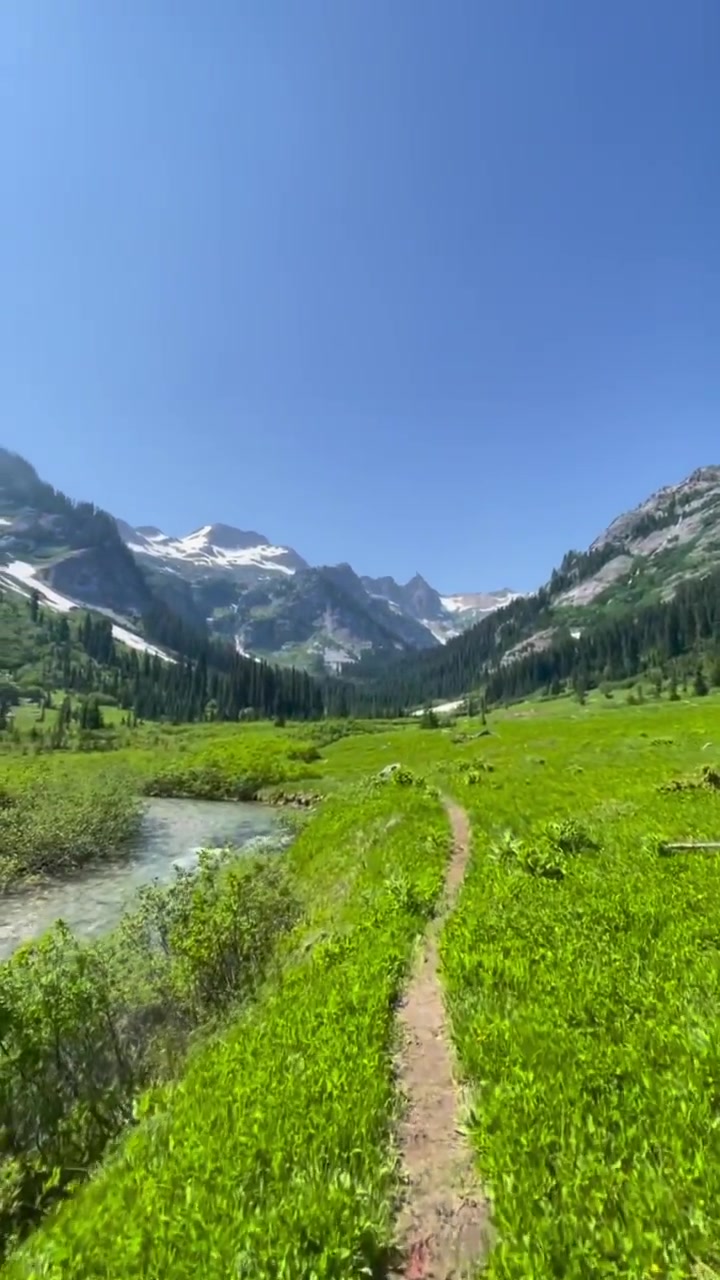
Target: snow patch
point(453, 604)
point(23, 572)
point(196, 549)
point(243, 653)
point(443, 708)
point(479, 601)
point(134, 641)
point(441, 631)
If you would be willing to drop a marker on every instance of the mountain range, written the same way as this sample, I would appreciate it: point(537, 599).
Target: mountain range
point(269, 602)
point(273, 603)
point(644, 598)
point(237, 583)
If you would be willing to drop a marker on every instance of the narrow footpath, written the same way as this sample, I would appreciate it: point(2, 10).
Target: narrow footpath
point(443, 1223)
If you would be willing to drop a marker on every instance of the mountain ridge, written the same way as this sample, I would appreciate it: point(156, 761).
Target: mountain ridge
point(621, 591)
point(269, 602)
point(263, 597)
point(272, 602)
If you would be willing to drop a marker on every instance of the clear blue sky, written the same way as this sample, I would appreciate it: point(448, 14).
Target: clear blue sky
point(418, 284)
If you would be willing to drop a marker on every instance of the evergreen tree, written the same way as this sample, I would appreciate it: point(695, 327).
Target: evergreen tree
point(700, 685)
point(429, 719)
point(90, 715)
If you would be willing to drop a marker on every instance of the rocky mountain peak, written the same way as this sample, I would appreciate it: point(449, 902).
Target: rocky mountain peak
point(262, 595)
point(705, 475)
point(228, 538)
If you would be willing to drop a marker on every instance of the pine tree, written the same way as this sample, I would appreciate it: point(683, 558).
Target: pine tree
point(700, 684)
point(94, 716)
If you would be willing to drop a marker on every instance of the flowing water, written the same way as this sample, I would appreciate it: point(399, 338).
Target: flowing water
point(92, 901)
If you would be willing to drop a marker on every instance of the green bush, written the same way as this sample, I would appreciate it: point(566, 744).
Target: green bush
point(83, 1029)
point(273, 1156)
point(55, 820)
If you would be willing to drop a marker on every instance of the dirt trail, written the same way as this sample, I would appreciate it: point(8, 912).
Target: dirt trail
point(443, 1224)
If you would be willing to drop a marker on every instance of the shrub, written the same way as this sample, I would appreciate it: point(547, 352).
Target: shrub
point(84, 1028)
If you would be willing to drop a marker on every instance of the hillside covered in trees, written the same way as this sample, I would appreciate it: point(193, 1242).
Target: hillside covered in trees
point(665, 638)
point(43, 653)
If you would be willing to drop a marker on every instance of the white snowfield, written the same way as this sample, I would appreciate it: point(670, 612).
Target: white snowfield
point(23, 572)
point(196, 548)
point(243, 653)
point(443, 708)
point(441, 632)
point(485, 601)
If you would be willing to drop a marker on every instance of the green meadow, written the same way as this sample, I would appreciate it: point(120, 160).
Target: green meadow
point(210, 1089)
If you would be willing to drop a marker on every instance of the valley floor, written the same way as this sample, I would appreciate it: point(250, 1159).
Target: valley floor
point(579, 970)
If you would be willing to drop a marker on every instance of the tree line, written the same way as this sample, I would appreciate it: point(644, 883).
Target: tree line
point(667, 636)
point(207, 678)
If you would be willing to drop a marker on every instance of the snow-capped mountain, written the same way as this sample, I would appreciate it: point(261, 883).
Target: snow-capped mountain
point(260, 595)
point(214, 546)
point(271, 601)
point(443, 616)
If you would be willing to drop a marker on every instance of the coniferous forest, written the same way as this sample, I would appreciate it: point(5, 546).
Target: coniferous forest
point(670, 637)
point(209, 679)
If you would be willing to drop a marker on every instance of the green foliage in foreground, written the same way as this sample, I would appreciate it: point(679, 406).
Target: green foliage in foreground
point(584, 982)
point(273, 1156)
point(583, 977)
point(83, 1029)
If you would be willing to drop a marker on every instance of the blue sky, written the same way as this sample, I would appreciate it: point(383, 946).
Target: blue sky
point(419, 284)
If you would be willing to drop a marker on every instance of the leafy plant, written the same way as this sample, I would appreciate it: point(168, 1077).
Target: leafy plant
point(84, 1028)
point(273, 1156)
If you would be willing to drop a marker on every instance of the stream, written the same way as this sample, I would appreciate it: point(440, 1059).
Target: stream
point(93, 900)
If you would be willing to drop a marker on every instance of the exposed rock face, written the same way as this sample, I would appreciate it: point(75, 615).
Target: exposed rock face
point(100, 578)
point(260, 594)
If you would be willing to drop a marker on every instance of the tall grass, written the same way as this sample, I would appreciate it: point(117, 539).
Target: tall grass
point(273, 1156)
point(584, 981)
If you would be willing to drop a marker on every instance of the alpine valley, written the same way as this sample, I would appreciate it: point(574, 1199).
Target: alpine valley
point(645, 591)
point(239, 584)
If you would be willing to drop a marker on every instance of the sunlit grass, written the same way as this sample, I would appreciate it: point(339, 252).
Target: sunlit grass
point(582, 971)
